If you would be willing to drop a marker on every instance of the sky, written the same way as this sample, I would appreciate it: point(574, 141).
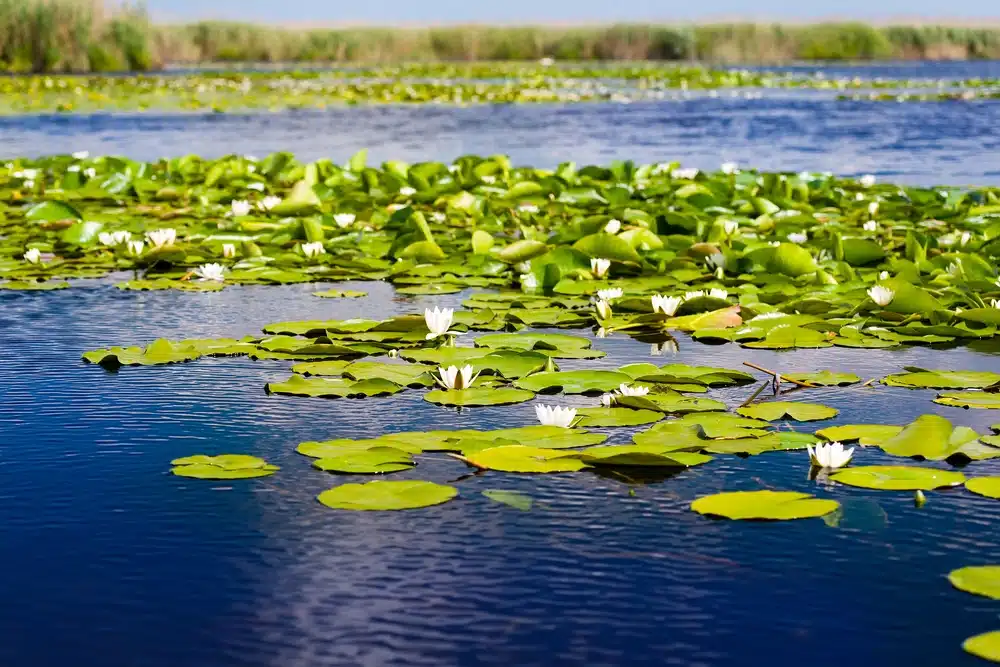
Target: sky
point(565, 11)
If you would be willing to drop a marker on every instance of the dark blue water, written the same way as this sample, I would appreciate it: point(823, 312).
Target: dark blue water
point(108, 560)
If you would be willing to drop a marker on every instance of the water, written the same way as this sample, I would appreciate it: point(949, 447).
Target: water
point(106, 555)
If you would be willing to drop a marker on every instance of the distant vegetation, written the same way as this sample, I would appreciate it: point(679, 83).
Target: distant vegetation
point(90, 36)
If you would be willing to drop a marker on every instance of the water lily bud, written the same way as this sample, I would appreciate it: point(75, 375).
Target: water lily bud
point(919, 498)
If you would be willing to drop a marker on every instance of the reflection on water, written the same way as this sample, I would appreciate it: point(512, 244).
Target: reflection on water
point(103, 547)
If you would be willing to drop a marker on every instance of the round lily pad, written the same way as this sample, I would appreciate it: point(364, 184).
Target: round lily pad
point(824, 378)
point(978, 579)
point(969, 399)
point(774, 410)
point(855, 432)
point(985, 646)
point(898, 478)
point(764, 505)
point(387, 495)
point(374, 461)
point(224, 466)
point(478, 396)
point(938, 379)
point(985, 486)
point(521, 458)
point(515, 499)
point(617, 417)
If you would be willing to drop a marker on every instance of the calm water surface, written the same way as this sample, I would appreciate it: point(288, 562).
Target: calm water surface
point(109, 560)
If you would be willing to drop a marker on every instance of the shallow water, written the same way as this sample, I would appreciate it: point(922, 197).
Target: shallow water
point(107, 559)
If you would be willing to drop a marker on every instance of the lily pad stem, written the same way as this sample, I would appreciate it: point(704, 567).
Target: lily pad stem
point(776, 374)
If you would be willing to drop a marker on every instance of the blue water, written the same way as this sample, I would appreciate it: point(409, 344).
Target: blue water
point(108, 560)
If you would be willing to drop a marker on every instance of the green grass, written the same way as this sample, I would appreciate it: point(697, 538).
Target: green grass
point(88, 36)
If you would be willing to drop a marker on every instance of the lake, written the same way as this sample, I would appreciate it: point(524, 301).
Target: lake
point(110, 560)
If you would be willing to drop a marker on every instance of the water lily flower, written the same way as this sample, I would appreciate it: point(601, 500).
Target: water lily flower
point(609, 294)
point(730, 227)
point(867, 180)
point(211, 272)
point(955, 269)
point(488, 180)
point(547, 62)
point(112, 239)
point(407, 191)
point(454, 377)
point(228, 250)
point(884, 275)
point(870, 226)
point(881, 295)
point(599, 267)
point(965, 238)
point(667, 305)
point(603, 309)
point(135, 248)
point(873, 208)
point(717, 293)
point(269, 202)
point(716, 261)
point(344, 219)
point(636, 390)
point(555, 415)
point(240, 207)
point(995, 303)
point(438, 321)
point(607, 400)
point(829, 455)
point(527, 208)
point(613, 226)
point(529, 281)
point(33, 256)
point(685, 174)
point(162, 238)
point(729, 167)
point(798, 237)
point(81, 155)
point(256, 186)
point(314, 249)
point(693, 295)
point(90, 172)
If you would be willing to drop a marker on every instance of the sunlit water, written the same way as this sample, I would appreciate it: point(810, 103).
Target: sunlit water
point(109, 560)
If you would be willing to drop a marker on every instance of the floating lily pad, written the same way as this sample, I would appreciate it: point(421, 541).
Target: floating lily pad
point(340, 294)
point(985, 486)
point(573, 382)
point(223, 466)
point(898, 478)
point(824, 378)
point(979, 580)
point(515, 499)
point(616, 417)
point(928, 437)
point(377, 460)
point(387, 495)
point(855, 432)
point(521, 458)
point(478, 396)
point(763, 505)
point(671, 403)
point(323, 387)
point(938, 379)
point(161, 351)
point(335, 367)
point(774, 410)
point(638, 455)
point(985, 646)
point(970, 399)
point(32, 286)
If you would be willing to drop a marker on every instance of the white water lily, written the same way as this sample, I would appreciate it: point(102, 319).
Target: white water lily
point(344, 219)
point(693, 295)
point(955, 269)
point(688, 174)
point(995, 303)
point(870, 226)
point(529, 281)
point(873, 208)
point(829, 455)
point(965, 238)
point(717, 293)
point(555, 415)
point(81, 155)
point(90, 172)
point(407, 191)
point(613, 226)
point(211, 272)
point(603, 309)
point(454, 377)
point(730, 227)
point(112, 239)
point(881, 295)
point(667, 305)
point(228, 250)
point(527, 208)
point(884, 275)
point(162, 238)
point(729, 167)
point(798, 237)
point(438, 321)
point(599, 267)
point(609, 294)
point(635, 390)
point(716, 261)
point(135, 248)
point(240, 207)
point(867, 180)
point(314, 249)
point(607, 400)
point(33, 256)
point(269, 202)
point(256, 186)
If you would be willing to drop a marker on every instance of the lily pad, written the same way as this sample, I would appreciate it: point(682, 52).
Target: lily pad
point(223, 466)
point(855, 432)
point(387, 495)
point(824, 378)
point(340, 294)
point(764, 505)
point(898, 478)
point(616, 417)
point(377, 460)
point(638, 455)
point(985, 646)
point(985, 486)
point(970, 399)
point(515, 499)
point(323, 387)
point(478, 396)
point(774, 410)
point(521, 458)
point(937, 379)
point(573, 382)
point(978, 579)
point(161, 351)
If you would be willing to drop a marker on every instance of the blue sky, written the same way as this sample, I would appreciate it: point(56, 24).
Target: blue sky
point(526, 11)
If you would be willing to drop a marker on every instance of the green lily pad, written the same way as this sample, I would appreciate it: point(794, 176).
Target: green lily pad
point(824, 378)
point(377, 460)
point(985, 486)
point(616, 417)
point(223, 466)
point(671, 403)
point(929, 437)
point(774, 410)
point(985, 646)
point(335, 367)
point(854, 432)
point(515, 499)
point(898, 478)
point(978, 579)
point(31, 286)
point(970, 399)
point(387, 495)
point(637, 455)
point(573, 382)
point(928, 379)
point(478, 396)
point(405, 375)
point(323, 387)
point(340, 294)
point(521, 458)
point(764, 505)
point(161, 351)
